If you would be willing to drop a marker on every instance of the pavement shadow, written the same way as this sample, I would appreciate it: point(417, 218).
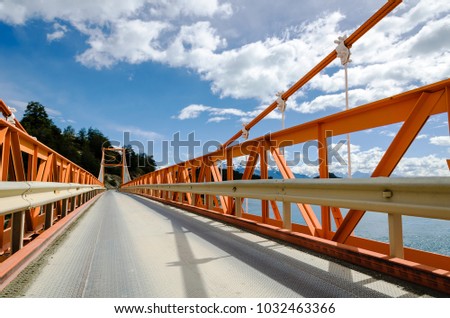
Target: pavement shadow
point(302, 278)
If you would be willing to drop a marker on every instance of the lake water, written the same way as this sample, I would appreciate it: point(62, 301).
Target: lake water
point(419, 233)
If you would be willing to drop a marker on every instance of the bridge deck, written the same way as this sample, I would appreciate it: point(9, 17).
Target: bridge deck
point(128, 246)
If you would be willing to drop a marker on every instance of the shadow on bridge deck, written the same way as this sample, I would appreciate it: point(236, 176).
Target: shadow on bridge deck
point(129, 246)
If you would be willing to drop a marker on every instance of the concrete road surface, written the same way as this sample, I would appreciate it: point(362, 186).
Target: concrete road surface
point(128, 246)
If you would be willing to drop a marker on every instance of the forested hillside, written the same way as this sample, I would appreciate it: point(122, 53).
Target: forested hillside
point(83, 147)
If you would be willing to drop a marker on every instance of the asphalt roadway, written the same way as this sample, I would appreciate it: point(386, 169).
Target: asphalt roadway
point(129, 246)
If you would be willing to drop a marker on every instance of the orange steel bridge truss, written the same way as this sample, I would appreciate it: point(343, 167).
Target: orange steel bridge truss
point(23, 158)
point(108, 163)
point(410, 109)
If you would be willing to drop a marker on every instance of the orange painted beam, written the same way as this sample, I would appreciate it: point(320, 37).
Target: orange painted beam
point(43, 164)
point(19, 169)
point(366, 26)
point(6, 153)
point(6, 112)
point(305, 209)
point(217, 177)
point(447, 101)
point(30, 145)
point(405, 136)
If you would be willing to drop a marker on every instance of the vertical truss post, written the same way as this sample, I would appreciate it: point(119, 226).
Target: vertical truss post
point(322, 145)
point(5, 155)
point(19, 169)
point(73, 203)
point(230, 177)
point(33, 164)
point(208, 176)
point(2, 231)
point(287, 218)
point(447, 100)
point(395, 235)
point(264, 175)
point(17, 231)
point(238, 207)
point(48, 216)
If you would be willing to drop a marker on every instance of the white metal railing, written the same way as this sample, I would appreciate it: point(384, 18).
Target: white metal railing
point(20, 196)
point(422, 197)
point(427, 197)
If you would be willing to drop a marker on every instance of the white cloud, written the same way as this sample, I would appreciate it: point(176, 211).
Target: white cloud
point(389, 133)
point(422, 136)
point(18, 104)
point(192, 47)
point(55, 35)
point(217, 119)
point(131, 41)
point(216, 114)
point(53, 112)
point(430, 165)
point(67, 121)
point(403, 50)
point(93, 11)
point(136, 131)
point(365, 161)
point(440, 141)
point(202, 8)
point(59, 32)
point(408, 48)
point(192, 111)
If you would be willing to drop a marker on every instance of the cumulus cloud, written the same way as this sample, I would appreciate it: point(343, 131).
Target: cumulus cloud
point(365, 162)
point(94, 11)
point(192, 111)
point(406, 48)
point(215, 114)
point(204, 8)
point(58, 33)
point(102, 12)
point(440, 141)
point(430, 165)
point(131, 41)
point(422, 136)
point(136, 131)
point(217, 119)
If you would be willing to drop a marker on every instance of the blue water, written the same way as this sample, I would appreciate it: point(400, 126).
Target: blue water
point(419, 233)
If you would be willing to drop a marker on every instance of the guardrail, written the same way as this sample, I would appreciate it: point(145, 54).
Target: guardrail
point(426, 197)
point(411, 110)
point(51, 200)
point(419, 197)
point(34, 179)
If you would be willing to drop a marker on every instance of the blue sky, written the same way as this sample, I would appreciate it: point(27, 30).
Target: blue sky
point(154, 68)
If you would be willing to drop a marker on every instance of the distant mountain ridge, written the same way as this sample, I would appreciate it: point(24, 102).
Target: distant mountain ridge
point(276, 174)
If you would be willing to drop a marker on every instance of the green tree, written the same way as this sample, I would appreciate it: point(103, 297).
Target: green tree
point(139, 164)
point(83, 148)
point(81, 137)
point(37, 123)
point(70, 149)
point(96, 141)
